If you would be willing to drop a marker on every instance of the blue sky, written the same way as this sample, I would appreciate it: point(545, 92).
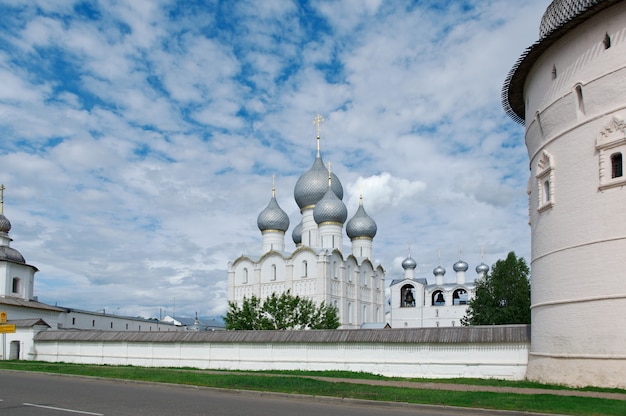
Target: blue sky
point(139, 138)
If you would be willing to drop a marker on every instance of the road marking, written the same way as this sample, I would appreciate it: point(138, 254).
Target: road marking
point(62, 409)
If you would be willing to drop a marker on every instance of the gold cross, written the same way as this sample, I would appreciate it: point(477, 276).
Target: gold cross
point(318, 120)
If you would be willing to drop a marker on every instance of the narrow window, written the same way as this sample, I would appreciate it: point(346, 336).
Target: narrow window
point(607, 41)
point(273, 272)
point(111, 325)
point(140, 327)
point(305, 269)
point(16, 285)
point(127, 327)
point(93, 322)
point(245, 275)
point(616, 165)
point(579, 97)
point(553, 71)
point(546, 191)
point(73, 321)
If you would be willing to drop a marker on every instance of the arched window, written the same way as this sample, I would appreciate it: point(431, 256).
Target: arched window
point(245, 275)
point(617, 170)
point(437, 298)
point(273, 272)
point(305, 269)
point(407, 296)
point(459, 297)
point(579, 98)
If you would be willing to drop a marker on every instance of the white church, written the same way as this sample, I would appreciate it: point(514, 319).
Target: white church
point(319, 268)
point(416, 303)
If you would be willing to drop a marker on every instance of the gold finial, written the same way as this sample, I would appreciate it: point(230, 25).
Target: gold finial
point(2, 188)
point(318, 120)
point(329, 177)
point(273, 186)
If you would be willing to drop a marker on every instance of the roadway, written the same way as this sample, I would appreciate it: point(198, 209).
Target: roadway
point(37, 394)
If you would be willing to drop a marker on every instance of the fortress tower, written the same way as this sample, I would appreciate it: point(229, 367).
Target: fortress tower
point(569, 90)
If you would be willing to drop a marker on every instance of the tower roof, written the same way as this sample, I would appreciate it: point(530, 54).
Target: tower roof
point(273, 217)
point(361, 224)
point(560, 17)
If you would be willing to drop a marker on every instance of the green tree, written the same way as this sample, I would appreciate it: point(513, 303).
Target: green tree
point(283, 311)
point(502, 296)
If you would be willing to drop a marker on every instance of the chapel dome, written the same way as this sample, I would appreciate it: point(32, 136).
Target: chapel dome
point(361, 224)
point(312, 185)
point(330, 208)
point(296, 234)
point(482, 268)
point(11, 254)
point(409, 263)
point(460, 266)
point(5, 224)
point(439, 271)
point(273, 217)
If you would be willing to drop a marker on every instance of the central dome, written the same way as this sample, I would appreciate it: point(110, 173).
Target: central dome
point(330, 208)
point(313, 184)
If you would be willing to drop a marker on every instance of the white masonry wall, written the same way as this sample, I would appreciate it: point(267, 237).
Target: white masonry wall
point(503, 360)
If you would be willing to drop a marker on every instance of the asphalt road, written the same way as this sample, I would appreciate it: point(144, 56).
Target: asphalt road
point(37, 394)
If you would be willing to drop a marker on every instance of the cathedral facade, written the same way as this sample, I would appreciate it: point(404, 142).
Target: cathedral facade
point(569, 91)
point(318, 268)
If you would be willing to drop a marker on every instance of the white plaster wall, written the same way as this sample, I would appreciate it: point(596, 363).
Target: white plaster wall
point(578, 275)
point(489, 360)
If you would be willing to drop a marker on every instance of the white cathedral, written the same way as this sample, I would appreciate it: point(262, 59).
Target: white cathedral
point(318, 268)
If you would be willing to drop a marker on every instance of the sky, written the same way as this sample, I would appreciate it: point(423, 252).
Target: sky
point(138, 139)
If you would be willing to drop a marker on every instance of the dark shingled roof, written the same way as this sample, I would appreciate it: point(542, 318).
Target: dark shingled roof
point(451, 335)
point(33, 304)
point(560, 17)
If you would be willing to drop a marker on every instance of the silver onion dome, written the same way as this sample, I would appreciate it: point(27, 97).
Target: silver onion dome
point(460, 266)
point(330, 208)
point(296, 234)
point(439, 271)
point(11, 254)
point(482, 268)
point(312, 185)
point(409, 263)
point(273, 217)
point(361, 224)
point(5, 224)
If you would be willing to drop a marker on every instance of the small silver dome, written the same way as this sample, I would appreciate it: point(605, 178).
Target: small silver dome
point(312, 185)
point(296, 234)
point(5, 224)
point(330, 208)
point(11, 254)
point(482, 268)
point(361, 224)
point(273, 217)
point(460, 266)
point(409, 263)
point(439, 271)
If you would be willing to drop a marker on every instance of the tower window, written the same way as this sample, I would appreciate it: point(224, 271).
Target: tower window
point(579, 98)
point(553, 71)
point(459, 297)
point(617, 170)
point(437, 298)
point(16, 285)
point(546, 191)
point(407, 297)
point(607, 41)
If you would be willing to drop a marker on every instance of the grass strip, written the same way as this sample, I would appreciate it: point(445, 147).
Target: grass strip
point(300, 384)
